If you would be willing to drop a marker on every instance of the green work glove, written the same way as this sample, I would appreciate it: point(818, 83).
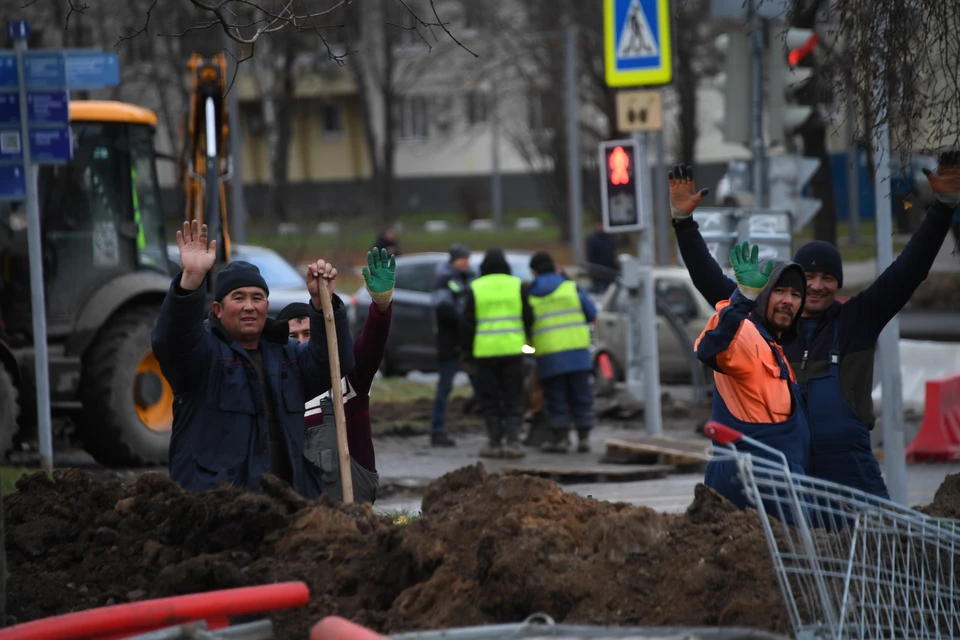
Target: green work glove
point(379, 276)
point(746, 269)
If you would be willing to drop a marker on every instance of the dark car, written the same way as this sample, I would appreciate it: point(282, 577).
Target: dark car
point(285, 282)
point(412, 345)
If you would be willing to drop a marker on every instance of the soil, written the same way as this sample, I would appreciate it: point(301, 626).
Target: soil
point(939, 292)
point(488, 549)
point(946, 501)
point(410, 418)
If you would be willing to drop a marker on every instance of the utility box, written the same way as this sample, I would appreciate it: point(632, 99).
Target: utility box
point(723, 228)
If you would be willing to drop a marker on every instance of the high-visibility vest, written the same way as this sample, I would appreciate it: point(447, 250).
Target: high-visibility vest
point(499, 312)
point(559, 323)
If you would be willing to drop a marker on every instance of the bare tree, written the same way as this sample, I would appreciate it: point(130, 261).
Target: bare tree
point(696, 59)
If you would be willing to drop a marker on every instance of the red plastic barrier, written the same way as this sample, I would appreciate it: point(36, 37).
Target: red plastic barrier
point(939, 436)
point(124, 620)
point(336, 628)
point(605, 368)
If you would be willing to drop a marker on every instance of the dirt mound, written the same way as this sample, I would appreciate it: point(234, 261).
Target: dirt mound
point(946, 501)
point(489, 549)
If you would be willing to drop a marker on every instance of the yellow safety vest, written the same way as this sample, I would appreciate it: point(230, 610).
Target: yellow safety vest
point(558, 321)
point(499, 311)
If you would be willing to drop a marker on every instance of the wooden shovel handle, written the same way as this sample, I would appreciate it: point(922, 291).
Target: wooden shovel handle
point(336, 391)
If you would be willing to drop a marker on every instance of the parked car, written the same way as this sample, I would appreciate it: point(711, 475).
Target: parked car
point(676, 293)
point(285, 282)
point(412, 345)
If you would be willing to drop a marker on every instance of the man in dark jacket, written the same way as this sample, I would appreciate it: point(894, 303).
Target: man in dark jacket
point(833, 352)
point(240, 384)
point(452, 283)
point(561, 337)
point(496, 321)
point(601, 259)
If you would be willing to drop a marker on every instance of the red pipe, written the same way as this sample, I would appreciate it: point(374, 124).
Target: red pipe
point(124, 620)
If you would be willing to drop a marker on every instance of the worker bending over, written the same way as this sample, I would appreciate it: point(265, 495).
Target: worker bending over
point(368, 348)
point(755, 389)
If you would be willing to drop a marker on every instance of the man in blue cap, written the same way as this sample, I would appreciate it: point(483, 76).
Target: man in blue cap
point(833, 352)
point(240, 383)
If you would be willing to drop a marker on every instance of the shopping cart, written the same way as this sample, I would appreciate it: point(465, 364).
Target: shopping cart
point(849, 564)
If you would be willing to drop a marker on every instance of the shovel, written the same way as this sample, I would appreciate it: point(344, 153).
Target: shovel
point(336, 391)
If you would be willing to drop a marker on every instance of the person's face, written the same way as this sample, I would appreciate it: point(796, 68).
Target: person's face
point(821, 290)
point(461, 264)
point(300, 329)
point(243, 312)
point(783, 307)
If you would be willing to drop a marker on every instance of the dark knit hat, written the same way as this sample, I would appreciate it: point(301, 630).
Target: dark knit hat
point(791, 278)
point(495, 261)
point(541, 262)
point(459, 250)
point(236, 275)
point(293, 311)
point(821, 256)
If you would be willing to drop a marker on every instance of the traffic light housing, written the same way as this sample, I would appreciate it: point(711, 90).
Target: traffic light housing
point(736, 84)
point(786, 81)
point(620, 191)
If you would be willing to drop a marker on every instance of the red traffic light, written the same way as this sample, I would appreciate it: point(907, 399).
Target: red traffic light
point(619, 163)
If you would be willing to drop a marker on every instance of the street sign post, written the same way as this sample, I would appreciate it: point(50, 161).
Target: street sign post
point(620, 189)
point(637, 43)
point(35, 129)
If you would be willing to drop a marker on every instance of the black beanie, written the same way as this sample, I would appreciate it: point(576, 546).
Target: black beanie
point(238, 274)
point(541, 262)
point(792, 278)
point(818, 255)
point(495, 261)
point(293, 311)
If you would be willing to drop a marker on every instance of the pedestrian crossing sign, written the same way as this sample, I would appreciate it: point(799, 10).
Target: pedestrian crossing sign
point(637, 50)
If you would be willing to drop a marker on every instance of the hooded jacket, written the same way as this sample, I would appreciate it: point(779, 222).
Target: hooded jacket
point(493, 262)
point(739, 346)
point(221, 430)
point(556, 364)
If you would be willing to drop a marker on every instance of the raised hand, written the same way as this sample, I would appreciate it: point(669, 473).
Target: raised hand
point(379, 276)
point(746, 269)
point(316, 270)
point(945, 181)
point(196, 255)
point(684, 197)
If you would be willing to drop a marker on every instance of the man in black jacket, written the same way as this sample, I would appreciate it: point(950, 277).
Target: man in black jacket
point(452, 284)
point(833, 354)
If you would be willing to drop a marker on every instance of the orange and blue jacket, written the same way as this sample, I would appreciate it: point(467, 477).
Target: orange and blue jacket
point(747, 374)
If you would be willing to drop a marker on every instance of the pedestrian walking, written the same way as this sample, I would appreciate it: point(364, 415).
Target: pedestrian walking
point(495, 324)
point(561, 339)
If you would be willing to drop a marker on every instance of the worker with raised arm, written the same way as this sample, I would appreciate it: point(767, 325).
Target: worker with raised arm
point(321, 438)
point(755, 390)
point(833, 351)
point(240, 383)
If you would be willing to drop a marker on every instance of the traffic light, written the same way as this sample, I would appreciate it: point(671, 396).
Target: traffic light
point(736, 84)
point(786, 81)
point(618, 185)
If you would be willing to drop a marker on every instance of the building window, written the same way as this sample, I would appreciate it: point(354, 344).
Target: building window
point(474, 16)
point(476, 108)
point(408, 25)
point(331, 117)
point(410, 118)
point(537, 105)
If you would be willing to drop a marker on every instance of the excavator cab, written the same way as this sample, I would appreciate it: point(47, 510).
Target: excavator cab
point(105, 274)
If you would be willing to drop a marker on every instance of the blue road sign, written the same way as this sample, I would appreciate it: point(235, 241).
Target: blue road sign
point(637, 44)
point(92, 69)
point(48, 107)
point(8, 71)
point(13, 182)
point(45, 70)
point(51, 146)
point(9, 109)
point(18, 29)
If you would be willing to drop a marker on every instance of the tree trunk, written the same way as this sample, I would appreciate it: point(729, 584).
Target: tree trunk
point(284, 109)
point(687, 88)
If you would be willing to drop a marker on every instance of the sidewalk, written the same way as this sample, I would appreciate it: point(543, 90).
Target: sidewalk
point(862, 273)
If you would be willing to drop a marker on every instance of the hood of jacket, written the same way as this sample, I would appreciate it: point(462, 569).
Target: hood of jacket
point(495, 262)
point(275, 331)
point(546, 283)
point(760, 313)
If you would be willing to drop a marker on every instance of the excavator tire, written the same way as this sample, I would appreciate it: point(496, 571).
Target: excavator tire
point(127, 404)
point(9, 410)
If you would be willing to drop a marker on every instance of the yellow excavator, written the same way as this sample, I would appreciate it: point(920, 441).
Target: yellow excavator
point(106, 271)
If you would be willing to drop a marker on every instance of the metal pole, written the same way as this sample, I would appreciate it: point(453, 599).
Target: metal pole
point(238, 210)
point(894, 449)
point(496, 193)
point(853, 177)
point(574, 174)
point(649, 356)
point(757, 145)
point(34, 247)
point(662, 191)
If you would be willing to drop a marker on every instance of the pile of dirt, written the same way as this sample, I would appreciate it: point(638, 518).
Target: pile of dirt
point(488, 549)
point(946, 501)
point(412, 417)
point(939, 292)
